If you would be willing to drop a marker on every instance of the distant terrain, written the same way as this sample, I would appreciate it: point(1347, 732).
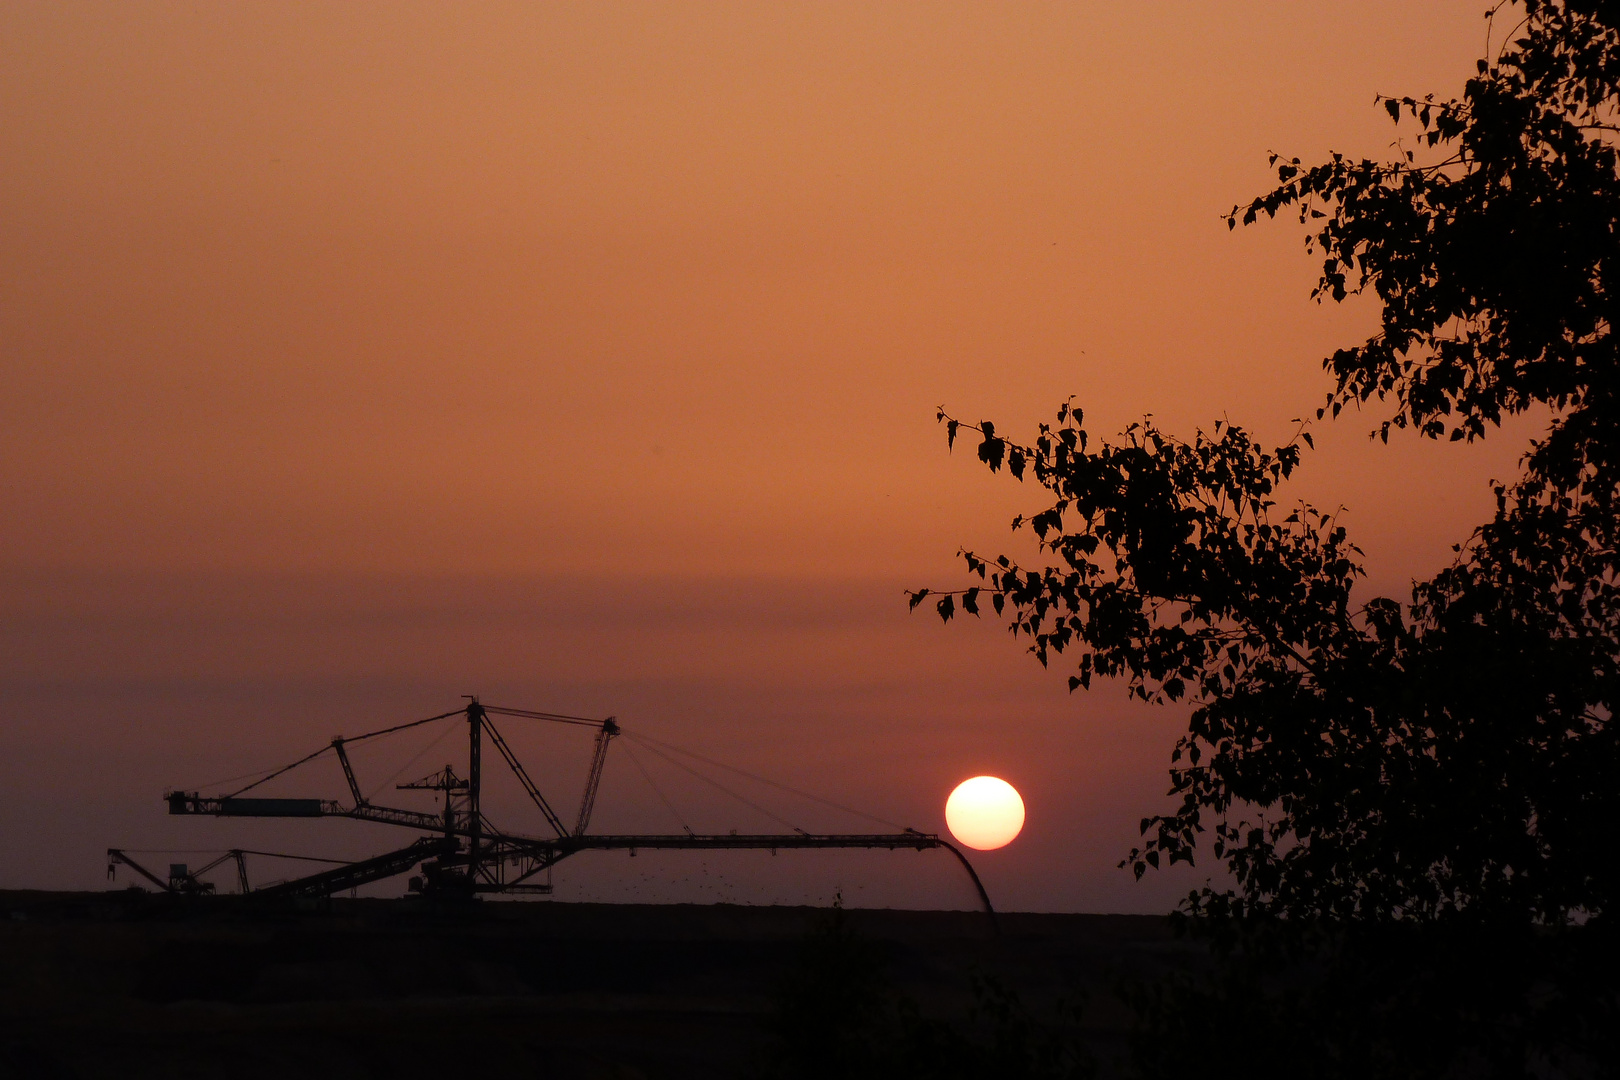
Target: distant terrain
point(135, 985)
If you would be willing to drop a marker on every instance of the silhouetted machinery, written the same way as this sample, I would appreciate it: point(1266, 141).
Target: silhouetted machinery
point(461, 853)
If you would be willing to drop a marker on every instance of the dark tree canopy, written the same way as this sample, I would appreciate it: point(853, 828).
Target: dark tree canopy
point(1455, 755)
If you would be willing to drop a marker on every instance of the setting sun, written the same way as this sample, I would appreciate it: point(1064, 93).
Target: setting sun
point(985, 812)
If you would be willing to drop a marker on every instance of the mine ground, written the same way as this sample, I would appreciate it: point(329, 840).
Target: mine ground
point(132, 984)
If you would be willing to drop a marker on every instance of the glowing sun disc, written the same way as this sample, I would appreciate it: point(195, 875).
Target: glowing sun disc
point(985, 812)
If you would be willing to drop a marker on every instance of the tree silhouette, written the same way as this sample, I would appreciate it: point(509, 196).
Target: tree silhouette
point(1416, 800)
point(1453, 757)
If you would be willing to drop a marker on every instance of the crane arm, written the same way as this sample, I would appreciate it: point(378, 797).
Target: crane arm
point(116, 856)
point(593, 779)
point(523, 777)
point(348, 771)
point(181, 802)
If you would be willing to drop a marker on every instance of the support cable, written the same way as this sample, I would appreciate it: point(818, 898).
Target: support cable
point(278, 772)
point(244, 851)
point(420, 754)
point(711, 781)
point(210, 785)
point(531, 714)
point(324, 749)
point(300, 858)
point(769, 782)
point(402, 727)
point(645, 775)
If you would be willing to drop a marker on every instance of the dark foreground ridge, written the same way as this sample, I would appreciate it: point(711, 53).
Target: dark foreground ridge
point(138, 985)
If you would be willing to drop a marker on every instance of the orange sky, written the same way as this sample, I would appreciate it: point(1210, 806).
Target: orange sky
point(357, 357)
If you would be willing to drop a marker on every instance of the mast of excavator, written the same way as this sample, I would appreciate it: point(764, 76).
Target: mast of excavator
point(593, 779)
point(475, 721)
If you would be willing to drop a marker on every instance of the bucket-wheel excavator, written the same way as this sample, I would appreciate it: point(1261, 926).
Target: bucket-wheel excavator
point(459, 852)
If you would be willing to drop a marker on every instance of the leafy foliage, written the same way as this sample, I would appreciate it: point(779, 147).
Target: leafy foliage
point(1450, 757)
